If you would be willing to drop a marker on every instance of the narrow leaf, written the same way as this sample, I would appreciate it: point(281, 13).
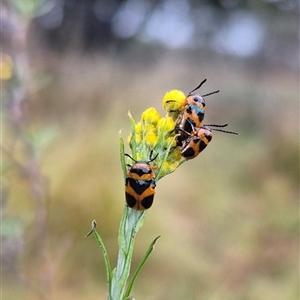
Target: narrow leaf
point(133, 139)
point(105, 254)
point(140, 266)
point(122, 155)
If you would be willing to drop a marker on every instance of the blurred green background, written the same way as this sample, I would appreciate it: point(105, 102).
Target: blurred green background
point(228, 220)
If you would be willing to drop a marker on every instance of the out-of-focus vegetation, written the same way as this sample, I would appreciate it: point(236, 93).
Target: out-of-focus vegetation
point(229, 219)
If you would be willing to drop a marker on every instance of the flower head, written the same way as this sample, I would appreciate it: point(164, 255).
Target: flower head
point(166, 124)
point(150, 116)
point(156, 136)
point(173, 102)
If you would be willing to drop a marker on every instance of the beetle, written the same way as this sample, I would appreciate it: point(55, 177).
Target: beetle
point(196, 99)
point(140, 184)
point(191, 114)
point(193, 143)
point(193, 108)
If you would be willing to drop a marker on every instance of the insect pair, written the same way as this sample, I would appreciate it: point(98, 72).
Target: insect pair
point(192, 138)
point(192, 135)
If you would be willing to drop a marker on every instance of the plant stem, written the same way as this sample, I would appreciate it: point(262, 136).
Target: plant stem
point(132, 221)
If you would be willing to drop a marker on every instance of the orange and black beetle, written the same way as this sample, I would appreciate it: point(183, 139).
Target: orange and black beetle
point(140, 184)
point(195, 142)
point(193, 110)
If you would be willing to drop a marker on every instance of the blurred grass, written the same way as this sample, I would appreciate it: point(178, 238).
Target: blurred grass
point(228, 219)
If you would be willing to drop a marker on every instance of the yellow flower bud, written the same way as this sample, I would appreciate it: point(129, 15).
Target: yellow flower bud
point(168, 168)
point(151, 139)
point(173, 101)
point(138, 139)
point(175, 156)
point(165, 124)
point(170, 140)
point(150, 128)
point(150, 116)
point(138, 128)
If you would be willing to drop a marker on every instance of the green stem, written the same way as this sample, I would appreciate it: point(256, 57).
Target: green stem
point(132, 221)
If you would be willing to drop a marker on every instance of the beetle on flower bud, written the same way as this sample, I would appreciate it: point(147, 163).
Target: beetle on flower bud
point(193, 111)
point(140, 184)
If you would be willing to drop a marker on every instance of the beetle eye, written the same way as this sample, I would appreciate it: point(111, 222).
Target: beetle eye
point(208, 136)
point(199, 100)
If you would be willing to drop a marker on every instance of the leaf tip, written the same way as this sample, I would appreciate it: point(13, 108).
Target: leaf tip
point(94, 224)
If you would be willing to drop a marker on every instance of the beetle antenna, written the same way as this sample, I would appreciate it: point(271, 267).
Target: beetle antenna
point(216, 125)
point(130, 157)
point(225, 131)
point(152, 159)
point(198, 87)
point(215, 92)
point(151, 152)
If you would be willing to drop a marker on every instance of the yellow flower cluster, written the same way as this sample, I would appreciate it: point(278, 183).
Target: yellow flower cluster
point(155, 134)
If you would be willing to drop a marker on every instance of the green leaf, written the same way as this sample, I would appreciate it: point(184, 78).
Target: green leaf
point(133, 139)
point(105, 254)
point(122, 156)
point(140, 266)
